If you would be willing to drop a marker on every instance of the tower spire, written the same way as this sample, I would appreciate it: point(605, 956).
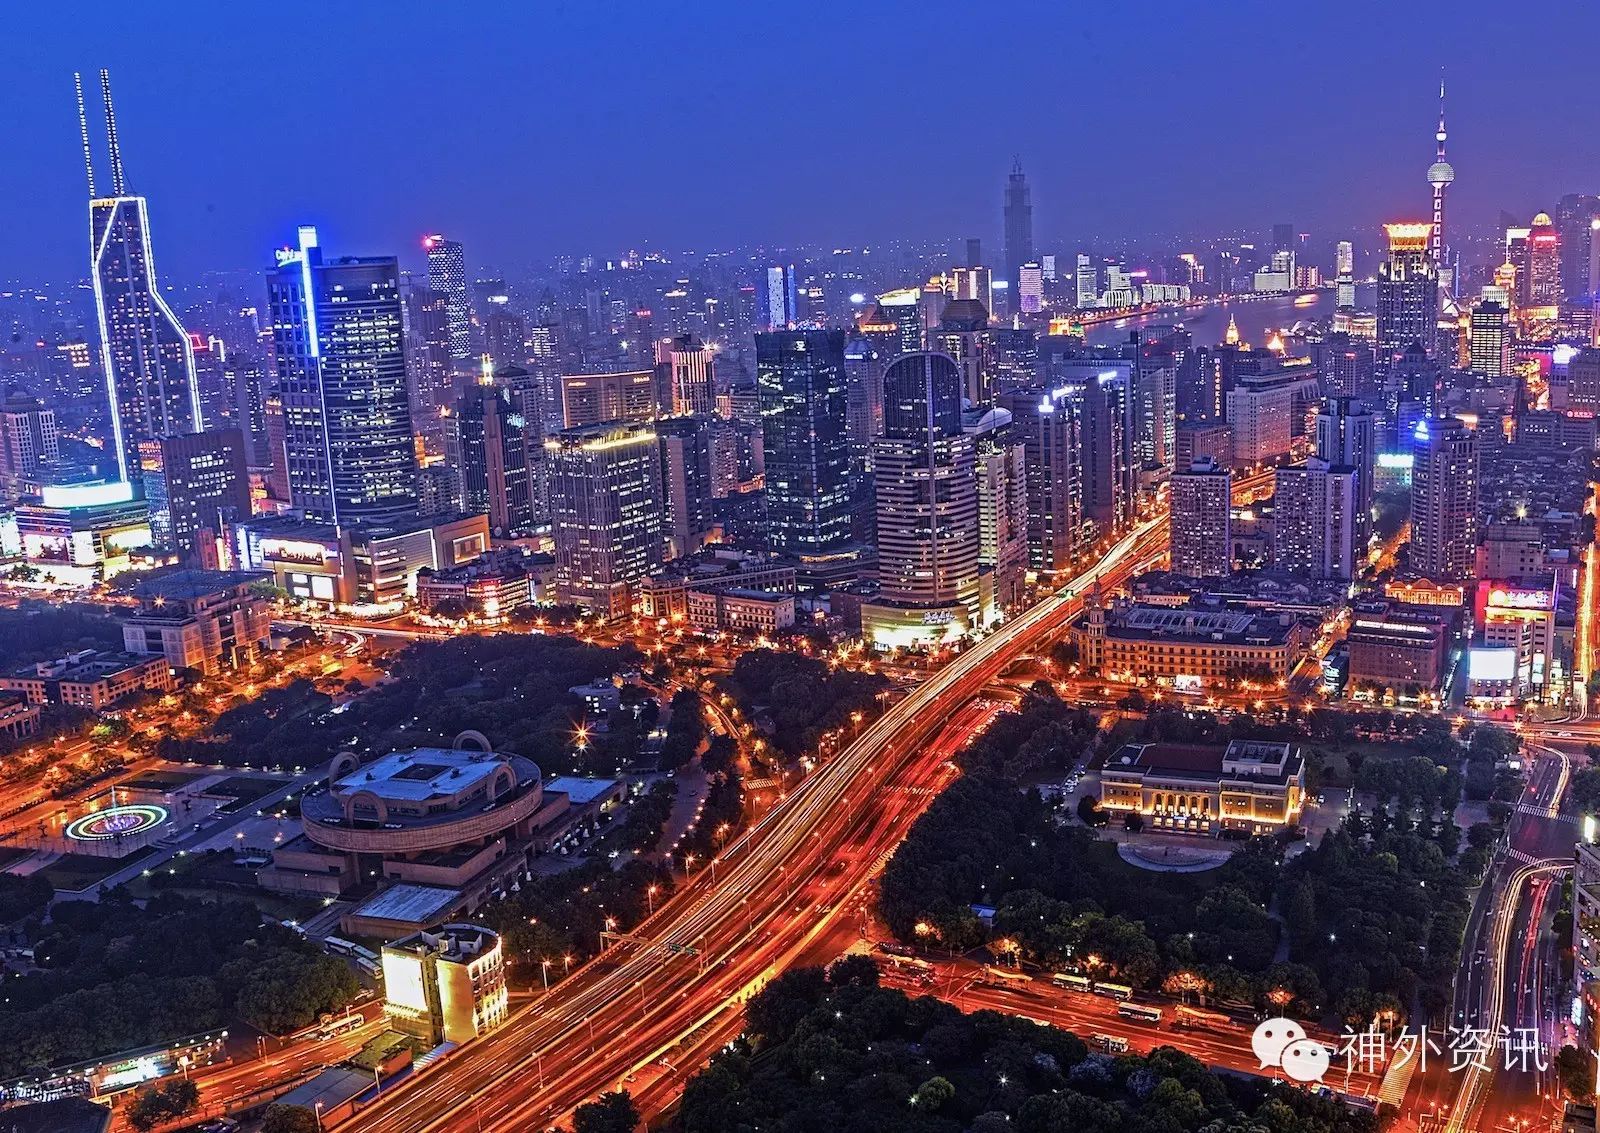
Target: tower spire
point(117, 186)
point(1441, 134)
point(83, 132)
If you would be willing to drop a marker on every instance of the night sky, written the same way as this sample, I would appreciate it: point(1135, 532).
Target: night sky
point(545, 127)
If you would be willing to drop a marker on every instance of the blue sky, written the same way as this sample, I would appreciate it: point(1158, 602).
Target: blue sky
point(538, 128)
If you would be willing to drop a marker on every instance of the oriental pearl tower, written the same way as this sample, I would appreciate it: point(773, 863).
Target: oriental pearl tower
point(1440, 176)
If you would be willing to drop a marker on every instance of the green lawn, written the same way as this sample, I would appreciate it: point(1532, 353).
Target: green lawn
point(163, 780)
point(244, 790)
point(73, 873)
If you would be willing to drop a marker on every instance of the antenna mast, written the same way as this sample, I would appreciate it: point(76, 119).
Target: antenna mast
point(117, 187)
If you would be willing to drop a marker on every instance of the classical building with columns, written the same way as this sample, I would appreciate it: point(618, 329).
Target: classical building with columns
point(1249, 785)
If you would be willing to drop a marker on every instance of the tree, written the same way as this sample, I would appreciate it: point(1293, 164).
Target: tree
point(933, 1094)
point(1089, 812)
point(289, 1119)
point(286, 990)
point(612, 1113)
point(163, 1102)
point(1133, 822)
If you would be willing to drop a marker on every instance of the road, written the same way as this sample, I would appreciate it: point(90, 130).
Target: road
point(771, 895)
point(1502, 980)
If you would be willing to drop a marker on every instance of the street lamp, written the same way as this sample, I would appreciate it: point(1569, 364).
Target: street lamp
point(317, 1109)
point(650, 898)
point(544, 972)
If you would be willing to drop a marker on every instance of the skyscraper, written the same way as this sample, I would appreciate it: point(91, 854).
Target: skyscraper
point(1018, 223)
point(686, 482)
point(1540, 283)
point(1347, 436)
point(1314, 517)
point(964, 334)
point(341, 364)
point(1050, 425)
point(1444, 500)
point(1489, 340)
point(693, 376)
point(801, 385)
point(194, 483)
point(605, 513)
point(1577, 219)
point(29, 442)
point(146, 354)
point(589, 399)
point(488, 443)
point(927, 502)
point(429, 383)
point(1202, 537)
point(782, 301)
point(1408, 292)
point(1001, 466)
point(447, 276)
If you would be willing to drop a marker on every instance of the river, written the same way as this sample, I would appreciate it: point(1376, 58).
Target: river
point(1257, 318)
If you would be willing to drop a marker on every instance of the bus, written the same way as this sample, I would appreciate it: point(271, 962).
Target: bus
point(338, 946)
point(1200, 1020)
point(1006, 975)
point(1111, 1044)
point(1072, 982)
point(339, 1026)
point(1121, 992)
point(1140, 1013)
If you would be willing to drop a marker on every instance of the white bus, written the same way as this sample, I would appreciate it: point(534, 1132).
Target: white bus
point(339, 1026)
point(1114, 991)
point(1139, 1013)
point(1072, 982)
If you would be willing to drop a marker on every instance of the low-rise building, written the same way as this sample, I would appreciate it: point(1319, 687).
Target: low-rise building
point(90, 679)
point(665, 594)
point(735, 608)
point(445, 986)
point(1190, 646)
point(1401, 650)
point(208, 620)
point(1249, 785)
point(19, 717)
point(492, 587)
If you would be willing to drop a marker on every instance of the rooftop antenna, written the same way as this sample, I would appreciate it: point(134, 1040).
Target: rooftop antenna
point(117, 187)
point(83, 132)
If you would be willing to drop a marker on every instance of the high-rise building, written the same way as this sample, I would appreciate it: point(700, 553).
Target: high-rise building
point(687, 487)
point(1202, 502)
point(693, 376)
point(1030, 289)
point(1050, 425)
point(147, 356)
point(489, 446)
point(429, 382)
point(1583, 381)
point(1000, 463)
point(1196, 440)
point(1408, 292)
point(1088, 284)
point(504, 334)
point(605, 513)
point(904, 310)
point(337, 329)
point(29, 442)
point(1345, 365)
point(964, 335)
point(1314, 519)
point(1347, 437)
point(589, 399)
point(927, 504)
point(1018, 222)
point(801, 383)
point(447, 276)
point(1489, 340)
point(782, 310)
point(1444, 500)
point(1577, 221)
point(1540, 282)
point(866, 355)
point(195, 483)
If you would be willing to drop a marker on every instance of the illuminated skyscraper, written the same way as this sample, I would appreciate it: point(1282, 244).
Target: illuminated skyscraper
point(1202, 498)
point(488, 443)
point(605, 513)
point(147, 356)
point(1050, 427)
point(801, 384)
point(1444, 500)
point(1408, 293)
point(1489, 340)
point(693, 377)
point(1540, 283)
point(447, 276)
point(428, 377)
point(1577, 219)
point(1347, 436)
point(1315, 520)
point(783, 303)
point(340, 352)
point(1018, 222)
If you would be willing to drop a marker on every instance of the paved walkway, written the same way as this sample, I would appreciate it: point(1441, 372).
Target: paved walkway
point(1172, 859)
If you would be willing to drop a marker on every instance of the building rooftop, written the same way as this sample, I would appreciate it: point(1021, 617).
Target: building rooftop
point(408, 903)
point(457, 941)
point(580, 791)
point(1127, 621)
point(186, 584)
point(424, 773)
point(1255, 760)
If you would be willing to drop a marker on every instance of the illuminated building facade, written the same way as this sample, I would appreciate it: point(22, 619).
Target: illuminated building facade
point(445, 986)
point(1250, 785)
point(1050, 426)
point(1202, 502)
point(1400, 651)
point(1539, 283)
point(606, 513)
point(1001, 466)
point(207, 620)
point(1444, 499)
point(1518, 617)
point(590, 399)
point(341, 363)
point(195, 484)
point(147, 356)
point(1314, 516)
point(1489, 340)
point(1188, 646)
point(490, 446)
point(686, 483)
point(80, 531)
point(927, 506)
point(693, 376)
point(1408, 292)
point(447, 276)
point(1347, 435)
point(805, 446)
point(29, 443)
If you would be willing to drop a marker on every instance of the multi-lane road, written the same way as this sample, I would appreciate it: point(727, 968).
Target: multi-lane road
point(638, 1014)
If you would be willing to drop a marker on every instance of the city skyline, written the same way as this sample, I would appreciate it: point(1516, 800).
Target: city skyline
point(220, 203)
